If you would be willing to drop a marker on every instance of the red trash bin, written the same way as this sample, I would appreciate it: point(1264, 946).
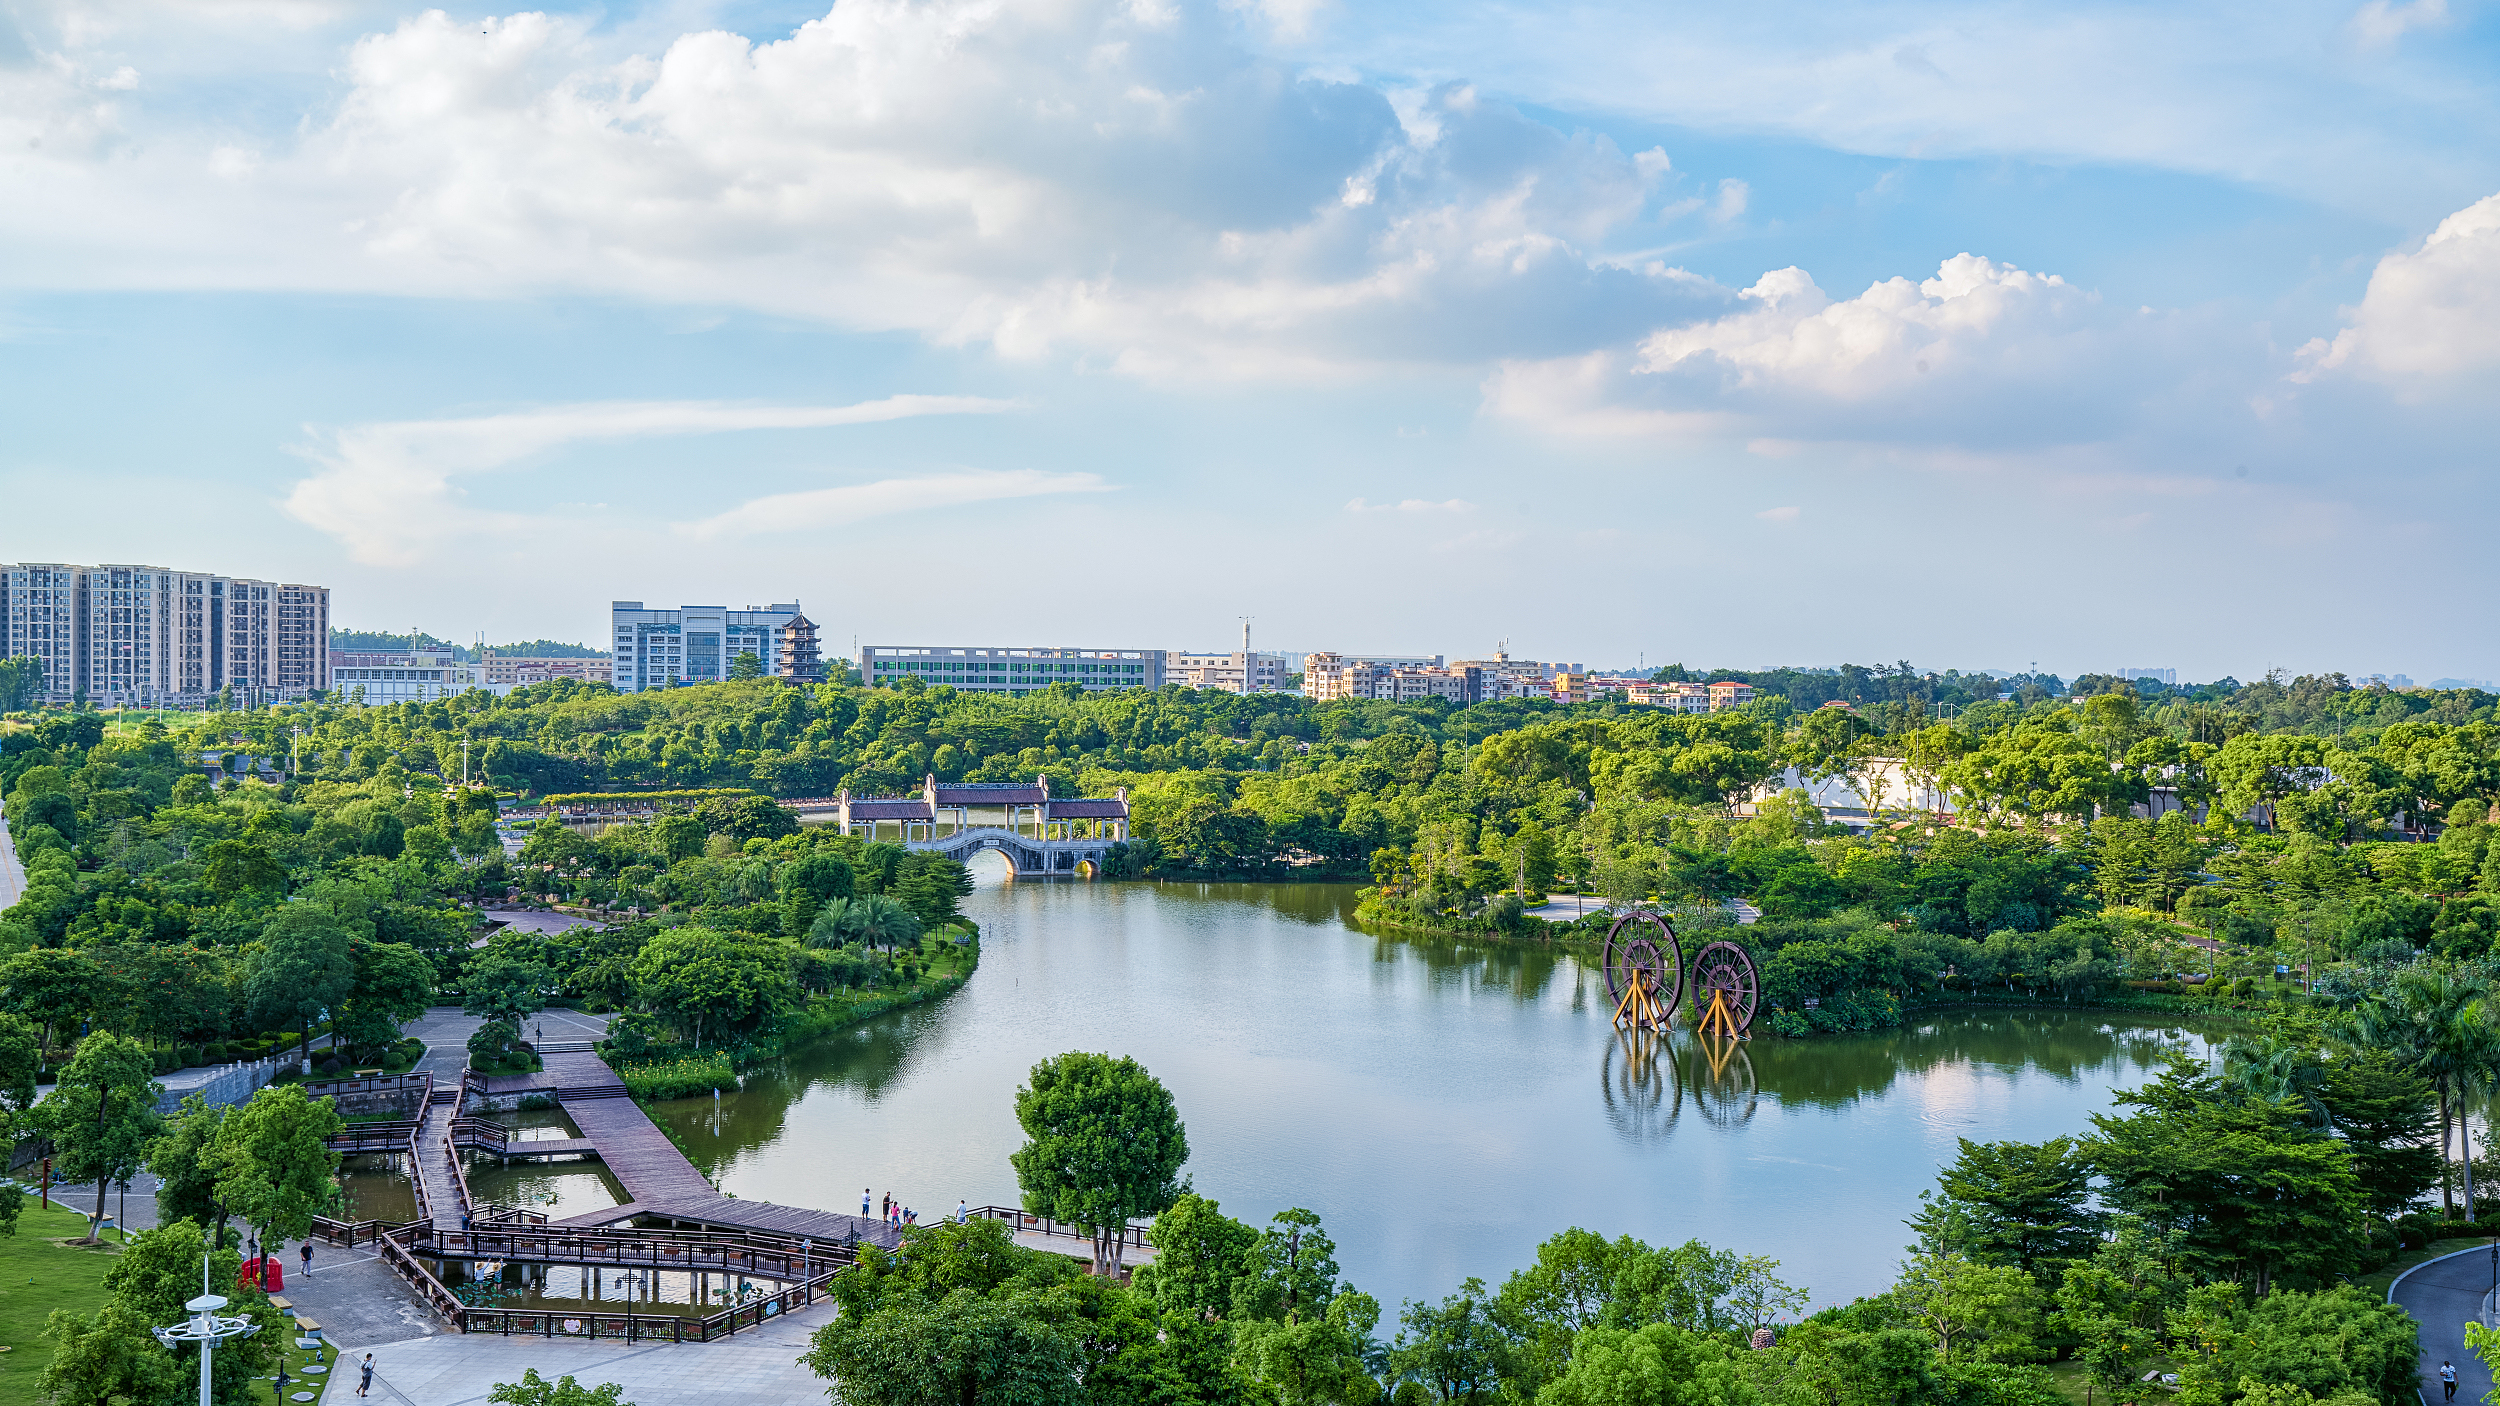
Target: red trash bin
point(273, 1274)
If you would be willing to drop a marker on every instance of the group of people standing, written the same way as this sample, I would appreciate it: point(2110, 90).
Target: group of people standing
point(898, 1215)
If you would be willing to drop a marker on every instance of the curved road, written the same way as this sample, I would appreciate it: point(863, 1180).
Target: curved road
point(2442, 1295)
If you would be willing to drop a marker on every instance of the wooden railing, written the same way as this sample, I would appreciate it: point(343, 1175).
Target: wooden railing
point(445, 1304)
point(766, 1256)
point(373, 1137)
point(1132, 1236)
point(642, 1327)
point(351, 1233)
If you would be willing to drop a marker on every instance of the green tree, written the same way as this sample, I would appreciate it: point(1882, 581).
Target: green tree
point(21, 1059)
point(962, 1348)
point(1200, 1254)
point(275, 1167)
point(238, 867)
point(1103, 1143)
point(2388, 1119)
point(1990, 1309)
point(52, 987)
point(1456, 1348)
point(303, 965)
point(1657, 1364)
point(2244, 1186)
point(2024, 1204)
point(101, 1116)
point(806, 884)
point(393, 983)
point(186, 1162)
point(1315, 1361)
point(931, 886)
point(2112, 1304)
point(505, 983)
point(535, 1390)
point(713, 984)
point(744, 665)
point(1290, 1272)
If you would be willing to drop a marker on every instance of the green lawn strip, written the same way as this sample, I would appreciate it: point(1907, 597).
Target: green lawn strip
point(36, 1277)
point(2378, 1282)
point(297, 1359)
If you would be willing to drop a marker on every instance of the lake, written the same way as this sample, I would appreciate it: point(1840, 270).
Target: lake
point(1444, 1106)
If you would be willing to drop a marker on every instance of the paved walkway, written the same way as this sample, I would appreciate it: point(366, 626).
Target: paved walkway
point(755, 1368)
point(2442, 1295)
point(12, 873)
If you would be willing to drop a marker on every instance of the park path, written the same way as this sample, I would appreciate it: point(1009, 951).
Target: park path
point(12, 873)
point(2443, 1295)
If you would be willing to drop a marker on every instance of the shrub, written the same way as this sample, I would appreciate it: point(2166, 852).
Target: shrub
point(1790, 1024)
point(331, 1065)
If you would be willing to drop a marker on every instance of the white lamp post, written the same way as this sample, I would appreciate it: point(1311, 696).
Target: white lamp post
point(205, 1328)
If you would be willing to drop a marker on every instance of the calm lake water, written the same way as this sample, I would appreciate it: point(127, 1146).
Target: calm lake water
point(1444, 1106)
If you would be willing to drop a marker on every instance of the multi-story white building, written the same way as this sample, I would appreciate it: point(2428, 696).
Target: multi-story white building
point(521, 672)
point(1237, 672)
point(149, 636)
point(1009, 670)
point(1505, 677)
point(1327, 677)
point(418, 676)
point(656, 648)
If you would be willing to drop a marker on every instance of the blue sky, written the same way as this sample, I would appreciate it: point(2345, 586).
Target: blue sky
point(2097, 335)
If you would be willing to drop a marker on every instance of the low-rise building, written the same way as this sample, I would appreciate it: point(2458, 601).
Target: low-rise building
point(1009, 669)
point(520, 671)
point(1238, 672)
point(414, 676)
point(1327, 677)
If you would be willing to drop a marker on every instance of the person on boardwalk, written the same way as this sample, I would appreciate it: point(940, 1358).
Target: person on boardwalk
point(365, 1383)
point(2448, 1381)
point(863, 1203)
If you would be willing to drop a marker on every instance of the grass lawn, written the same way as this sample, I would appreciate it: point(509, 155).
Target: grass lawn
point(2073, 1382)
point(36, 1277)
point(2377, 1283)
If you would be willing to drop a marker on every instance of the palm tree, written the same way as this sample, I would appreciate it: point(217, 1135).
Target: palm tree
point(873, 919)
point(2440, 1027)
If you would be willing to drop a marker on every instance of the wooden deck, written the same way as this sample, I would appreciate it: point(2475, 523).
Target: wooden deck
point(661, 1183)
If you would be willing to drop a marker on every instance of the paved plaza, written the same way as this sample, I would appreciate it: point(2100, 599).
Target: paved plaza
point(759, 1367)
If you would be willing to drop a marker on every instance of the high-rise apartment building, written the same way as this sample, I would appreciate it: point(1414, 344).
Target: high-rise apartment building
point(656, 648)
point(146, 635)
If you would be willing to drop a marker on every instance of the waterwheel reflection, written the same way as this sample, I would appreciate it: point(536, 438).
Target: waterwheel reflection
point(1646, 1079)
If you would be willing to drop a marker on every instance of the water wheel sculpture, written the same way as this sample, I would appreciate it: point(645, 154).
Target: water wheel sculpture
point(1725, 990)
point(1644, 968)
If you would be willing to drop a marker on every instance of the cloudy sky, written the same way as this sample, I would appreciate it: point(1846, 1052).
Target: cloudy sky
point(1977, 334)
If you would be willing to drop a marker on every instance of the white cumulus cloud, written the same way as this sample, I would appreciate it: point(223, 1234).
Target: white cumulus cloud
point(2430, 315)
point(816, 508)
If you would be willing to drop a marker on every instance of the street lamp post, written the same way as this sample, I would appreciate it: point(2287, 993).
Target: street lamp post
point(205, 1328)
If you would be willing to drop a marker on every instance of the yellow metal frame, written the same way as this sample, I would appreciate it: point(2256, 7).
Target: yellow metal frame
point(1639, 1007)
point(1720, 1017)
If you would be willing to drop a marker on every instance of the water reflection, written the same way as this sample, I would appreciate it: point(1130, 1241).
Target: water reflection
point(1431, 1098)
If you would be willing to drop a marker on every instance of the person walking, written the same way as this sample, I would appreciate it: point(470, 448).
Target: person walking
point(306, 1252)
point(963, 1210)
point(365, 1383)
point(2447, 1381)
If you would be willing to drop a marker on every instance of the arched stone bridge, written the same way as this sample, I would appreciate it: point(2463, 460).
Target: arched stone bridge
point(1025, 855)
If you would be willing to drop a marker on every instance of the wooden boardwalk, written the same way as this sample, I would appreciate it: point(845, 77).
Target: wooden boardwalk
point(661, 1183)
point(445, 1190)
